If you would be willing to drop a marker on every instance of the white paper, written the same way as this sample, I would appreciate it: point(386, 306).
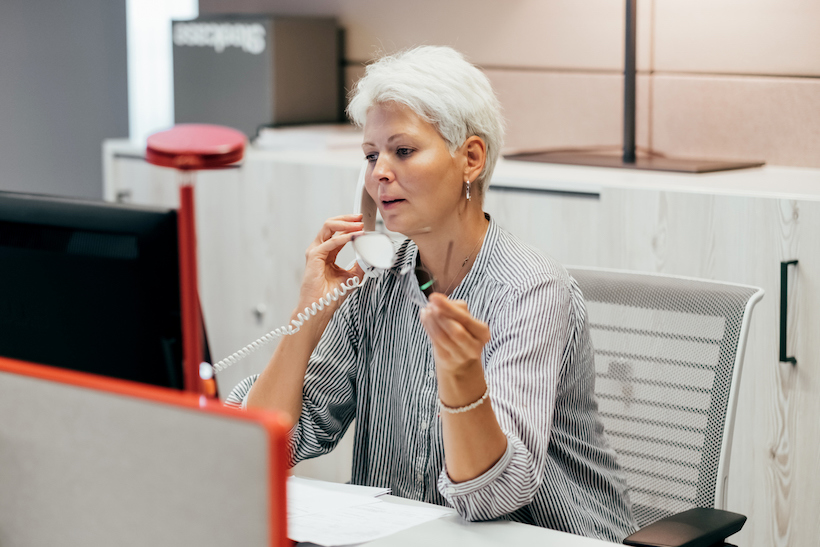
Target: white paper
point(333, 514)
point(371, 491)
point(361, 523)
point(307, 499)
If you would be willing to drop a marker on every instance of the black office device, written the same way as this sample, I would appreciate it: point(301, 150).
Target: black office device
point(91, 286)
point(698, 527)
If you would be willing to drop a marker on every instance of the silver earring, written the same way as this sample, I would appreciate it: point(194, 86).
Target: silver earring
point(468, 190)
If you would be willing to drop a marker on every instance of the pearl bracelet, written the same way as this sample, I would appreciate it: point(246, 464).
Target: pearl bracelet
point(450, 410)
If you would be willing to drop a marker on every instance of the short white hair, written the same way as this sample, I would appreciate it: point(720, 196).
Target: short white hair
point(441, 87)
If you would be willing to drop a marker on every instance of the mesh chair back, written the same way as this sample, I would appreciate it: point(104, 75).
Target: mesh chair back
point(668, 354)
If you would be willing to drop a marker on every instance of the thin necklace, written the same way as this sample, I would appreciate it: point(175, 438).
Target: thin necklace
point(466, 260)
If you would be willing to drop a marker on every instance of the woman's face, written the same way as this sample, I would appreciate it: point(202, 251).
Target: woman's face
point(411, 175)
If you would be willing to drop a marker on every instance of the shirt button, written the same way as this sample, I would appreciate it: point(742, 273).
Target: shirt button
point(432, 373)
point(419, 477)
point(424, 425)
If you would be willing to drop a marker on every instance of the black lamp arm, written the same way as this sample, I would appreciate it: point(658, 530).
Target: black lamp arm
point(630, 69)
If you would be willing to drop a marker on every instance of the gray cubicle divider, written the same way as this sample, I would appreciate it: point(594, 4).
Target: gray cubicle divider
point(136, 465)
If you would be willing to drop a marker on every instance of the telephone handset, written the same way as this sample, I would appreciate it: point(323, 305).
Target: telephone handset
point(364, 204)
point(374, 252)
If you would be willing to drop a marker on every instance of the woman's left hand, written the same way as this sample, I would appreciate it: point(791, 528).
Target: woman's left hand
point(458, 339)
point(473, 441)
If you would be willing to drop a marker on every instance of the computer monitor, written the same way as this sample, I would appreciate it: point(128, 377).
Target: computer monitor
point(91, 286)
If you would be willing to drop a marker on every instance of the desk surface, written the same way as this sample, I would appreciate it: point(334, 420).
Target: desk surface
point(454, 530)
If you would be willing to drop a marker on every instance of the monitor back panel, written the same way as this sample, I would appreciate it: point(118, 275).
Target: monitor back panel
point(82, 467)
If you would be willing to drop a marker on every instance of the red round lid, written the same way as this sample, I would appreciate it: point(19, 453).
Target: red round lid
point(195, 146)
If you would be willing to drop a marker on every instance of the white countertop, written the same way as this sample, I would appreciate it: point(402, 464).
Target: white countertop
point(767, 181)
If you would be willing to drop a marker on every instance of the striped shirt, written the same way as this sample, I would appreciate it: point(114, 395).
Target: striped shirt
point(375, 364)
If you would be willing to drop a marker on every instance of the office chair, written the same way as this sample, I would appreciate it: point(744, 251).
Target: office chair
point(668, 356)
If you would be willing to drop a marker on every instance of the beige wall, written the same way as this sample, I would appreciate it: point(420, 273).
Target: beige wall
point(725, 79)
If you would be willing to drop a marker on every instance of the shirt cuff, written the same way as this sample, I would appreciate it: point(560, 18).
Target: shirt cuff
point(238, 397)
point(451, 490)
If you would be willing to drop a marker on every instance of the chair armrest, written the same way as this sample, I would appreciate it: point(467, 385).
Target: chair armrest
point(697, 527)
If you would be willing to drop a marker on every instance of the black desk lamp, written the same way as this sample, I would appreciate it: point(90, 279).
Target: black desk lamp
point(629, 159)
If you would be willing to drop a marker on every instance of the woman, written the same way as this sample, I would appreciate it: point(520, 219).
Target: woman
point(482, 399)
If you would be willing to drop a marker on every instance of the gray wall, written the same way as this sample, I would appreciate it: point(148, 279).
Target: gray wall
point(63, 89)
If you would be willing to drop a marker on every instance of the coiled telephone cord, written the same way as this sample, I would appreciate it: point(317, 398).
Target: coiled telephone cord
point(294, 326)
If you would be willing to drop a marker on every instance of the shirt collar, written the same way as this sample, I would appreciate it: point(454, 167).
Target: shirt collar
point(407, 256)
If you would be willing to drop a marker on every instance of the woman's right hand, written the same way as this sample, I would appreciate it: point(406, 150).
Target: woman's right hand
point(280, 385)
point(322, 275)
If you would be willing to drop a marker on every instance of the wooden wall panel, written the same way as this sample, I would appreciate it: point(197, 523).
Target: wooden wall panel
point(776, 443)
point(562, 226)
point(738, 37)
point(776, 120)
